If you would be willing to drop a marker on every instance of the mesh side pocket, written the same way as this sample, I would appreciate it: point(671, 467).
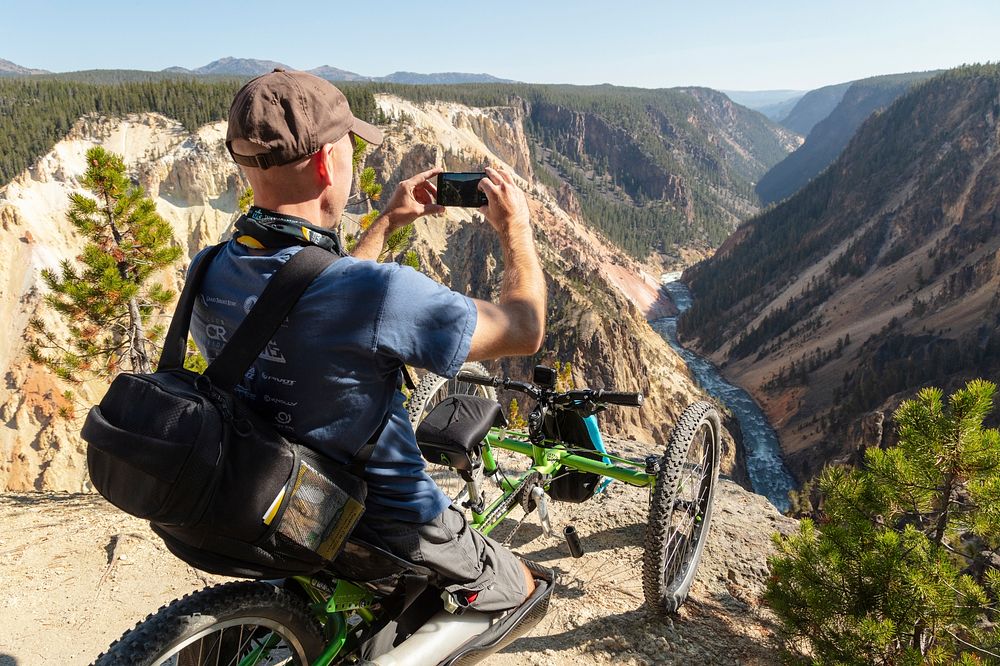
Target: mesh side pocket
point(322, 510)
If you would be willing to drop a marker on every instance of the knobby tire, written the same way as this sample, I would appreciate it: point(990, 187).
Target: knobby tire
point(680, 510)
point(210, 626)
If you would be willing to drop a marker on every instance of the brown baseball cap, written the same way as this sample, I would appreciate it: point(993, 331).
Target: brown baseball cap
point(283, 116)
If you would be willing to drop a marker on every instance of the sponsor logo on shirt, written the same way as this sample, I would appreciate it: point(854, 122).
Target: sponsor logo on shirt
point(283, 418)
point(272, 353)
point(286, 403)
point(218, 301)
point(278, 380)
point(215, 332)
point(250, 374)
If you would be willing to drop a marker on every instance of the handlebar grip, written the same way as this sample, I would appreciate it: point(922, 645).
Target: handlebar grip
point(470, 378)
point(621, 398)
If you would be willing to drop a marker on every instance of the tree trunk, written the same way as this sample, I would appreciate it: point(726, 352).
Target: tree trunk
point(943, 505)
point(137, 353)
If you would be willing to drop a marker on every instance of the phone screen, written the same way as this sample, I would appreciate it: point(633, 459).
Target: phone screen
point(460, 189)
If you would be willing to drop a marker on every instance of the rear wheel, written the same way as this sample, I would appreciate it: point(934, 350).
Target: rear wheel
point(240, 622)
point(680, 510)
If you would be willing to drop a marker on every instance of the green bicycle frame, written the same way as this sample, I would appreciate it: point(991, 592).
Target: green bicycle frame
point(333, 606)
point(548, 459)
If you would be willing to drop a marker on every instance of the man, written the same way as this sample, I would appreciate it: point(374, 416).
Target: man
point(331, 374)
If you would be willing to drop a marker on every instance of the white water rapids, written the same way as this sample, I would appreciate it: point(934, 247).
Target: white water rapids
point(766, 469)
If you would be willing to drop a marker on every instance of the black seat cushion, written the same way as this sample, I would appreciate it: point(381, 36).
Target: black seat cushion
point(460, 422)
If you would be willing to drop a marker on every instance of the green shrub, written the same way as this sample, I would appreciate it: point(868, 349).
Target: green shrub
point(897, 568)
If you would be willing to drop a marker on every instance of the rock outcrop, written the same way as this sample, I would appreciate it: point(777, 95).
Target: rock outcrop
point(100, 571)
point(598, 295)
point(195, 186)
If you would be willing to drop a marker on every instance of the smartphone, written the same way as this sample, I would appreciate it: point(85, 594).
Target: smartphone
point(460, 189)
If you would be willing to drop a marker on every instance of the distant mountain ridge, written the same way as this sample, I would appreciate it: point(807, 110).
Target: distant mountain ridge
point(237, 67)
point(443, 78)
point(250, 67)
point(825, 141)
point(813, 107)
point(879, 277)
point(775, 104)
point(8, 68)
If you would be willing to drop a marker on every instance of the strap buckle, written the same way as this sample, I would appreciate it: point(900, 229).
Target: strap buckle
point(263, 160)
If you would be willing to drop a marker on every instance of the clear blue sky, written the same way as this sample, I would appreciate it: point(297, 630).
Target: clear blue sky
point(727, 44)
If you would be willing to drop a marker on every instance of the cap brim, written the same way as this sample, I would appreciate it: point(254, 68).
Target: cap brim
point(369, 133)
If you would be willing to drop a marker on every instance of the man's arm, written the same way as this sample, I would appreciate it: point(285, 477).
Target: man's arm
point(515, 325)
point(413, 198)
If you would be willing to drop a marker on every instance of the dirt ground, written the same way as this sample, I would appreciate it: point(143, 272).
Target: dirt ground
point(77, 573)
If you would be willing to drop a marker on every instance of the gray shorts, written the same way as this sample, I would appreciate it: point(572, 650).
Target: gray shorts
point(475, 563)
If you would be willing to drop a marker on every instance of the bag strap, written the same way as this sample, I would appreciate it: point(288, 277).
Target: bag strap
point(175, 344)
point(272, 307)
point(361, 458)
point(257, 328)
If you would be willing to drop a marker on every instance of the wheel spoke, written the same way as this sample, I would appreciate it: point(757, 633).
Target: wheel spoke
point(686, 506)
point(201, 642)
point(239, 649)
point(248, 645)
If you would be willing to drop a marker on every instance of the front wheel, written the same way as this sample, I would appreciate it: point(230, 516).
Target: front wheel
point(233, 623)
point(680, 510)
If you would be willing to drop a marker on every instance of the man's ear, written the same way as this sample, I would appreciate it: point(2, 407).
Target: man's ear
point(324, 164)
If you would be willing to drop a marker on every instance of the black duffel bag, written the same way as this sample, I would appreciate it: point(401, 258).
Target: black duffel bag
point(227, 493)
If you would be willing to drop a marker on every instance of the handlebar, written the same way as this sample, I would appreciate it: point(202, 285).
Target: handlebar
point(470, 378)
point(498, 382)
point(597, 396)
point(619, 398)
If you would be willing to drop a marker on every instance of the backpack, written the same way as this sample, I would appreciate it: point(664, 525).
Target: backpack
point(220, 485)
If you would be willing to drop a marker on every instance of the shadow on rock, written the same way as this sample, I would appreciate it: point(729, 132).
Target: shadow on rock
point(704, 632)
point(48, 498)
point(592, 542)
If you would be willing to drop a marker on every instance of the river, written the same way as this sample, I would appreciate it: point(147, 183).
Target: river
point(766, 469)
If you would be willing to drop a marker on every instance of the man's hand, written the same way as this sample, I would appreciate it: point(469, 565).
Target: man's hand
point(413, 198)
point(507, 207)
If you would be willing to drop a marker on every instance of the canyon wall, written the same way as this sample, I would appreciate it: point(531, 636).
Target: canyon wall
point(598, 296)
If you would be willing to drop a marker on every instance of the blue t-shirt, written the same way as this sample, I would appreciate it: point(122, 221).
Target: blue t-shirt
point(330, 373)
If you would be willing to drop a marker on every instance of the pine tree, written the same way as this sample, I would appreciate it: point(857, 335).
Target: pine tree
point(108, 296)
point(397, 245)
point(898, 568)
point(245, 201)
point(515, 421)
point(564, 376)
